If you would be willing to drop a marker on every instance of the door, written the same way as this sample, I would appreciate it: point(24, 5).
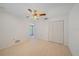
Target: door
point(56, 31)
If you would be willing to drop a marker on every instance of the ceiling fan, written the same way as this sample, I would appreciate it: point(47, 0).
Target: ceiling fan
point(36, 13)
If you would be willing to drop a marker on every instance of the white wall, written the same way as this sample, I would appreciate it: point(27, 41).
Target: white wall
point(1, 29)
point(12, 29)
point(42, 29)
point(74, 30)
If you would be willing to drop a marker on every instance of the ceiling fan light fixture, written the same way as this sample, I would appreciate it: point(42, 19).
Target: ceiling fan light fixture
point(36, 13)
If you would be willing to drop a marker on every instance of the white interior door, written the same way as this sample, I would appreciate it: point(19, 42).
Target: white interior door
point(56, 31)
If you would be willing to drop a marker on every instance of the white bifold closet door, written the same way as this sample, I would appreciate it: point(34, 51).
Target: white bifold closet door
point(56, 31)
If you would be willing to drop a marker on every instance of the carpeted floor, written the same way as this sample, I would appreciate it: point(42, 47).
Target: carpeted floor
point(36, 48)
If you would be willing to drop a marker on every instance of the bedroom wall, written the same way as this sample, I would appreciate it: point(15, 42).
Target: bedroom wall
point(42, 29)
point(1, 28)
point(74, 30)
point(12, 29)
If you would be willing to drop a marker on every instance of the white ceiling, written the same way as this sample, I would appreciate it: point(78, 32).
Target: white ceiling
point(52, 9)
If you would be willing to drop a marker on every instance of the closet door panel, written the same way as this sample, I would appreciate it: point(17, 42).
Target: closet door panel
point(56, 31)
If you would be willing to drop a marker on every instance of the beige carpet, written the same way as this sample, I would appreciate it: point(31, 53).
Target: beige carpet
point(36, 48)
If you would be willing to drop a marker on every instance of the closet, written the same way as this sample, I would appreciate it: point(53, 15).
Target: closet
point(56, 31)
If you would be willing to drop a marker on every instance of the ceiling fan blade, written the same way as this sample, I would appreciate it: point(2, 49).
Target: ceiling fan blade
point(43, 14)
point(30, 10)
